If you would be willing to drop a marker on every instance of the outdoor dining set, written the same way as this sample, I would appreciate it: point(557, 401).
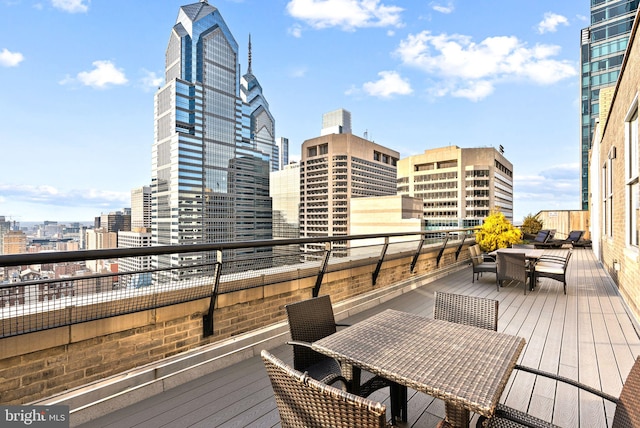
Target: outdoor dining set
point(457, 356)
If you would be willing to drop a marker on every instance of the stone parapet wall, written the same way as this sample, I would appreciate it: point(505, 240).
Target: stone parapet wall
point(38, 365)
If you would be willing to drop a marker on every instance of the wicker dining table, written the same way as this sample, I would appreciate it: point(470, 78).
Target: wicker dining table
point(467, 367)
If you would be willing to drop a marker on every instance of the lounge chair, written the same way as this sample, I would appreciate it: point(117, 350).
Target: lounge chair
point(542, 236)
point(573, 237)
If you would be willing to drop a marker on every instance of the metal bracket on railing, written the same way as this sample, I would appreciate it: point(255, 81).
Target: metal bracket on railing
point(374, 276)
point(417, 254)
point(207, 319)
point(441, 252)
point(323, 269)
point(460, 246)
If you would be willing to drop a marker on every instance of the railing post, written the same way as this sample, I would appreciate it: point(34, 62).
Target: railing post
point(376, 272)
point(207, 319)
point(417, 254)
point(441, 252)
point(323, 269)
point(460, 246)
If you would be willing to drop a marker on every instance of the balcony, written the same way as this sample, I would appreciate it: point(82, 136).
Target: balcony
point(588, 334)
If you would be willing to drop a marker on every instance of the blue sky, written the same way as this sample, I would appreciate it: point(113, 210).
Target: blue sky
point(77, 79)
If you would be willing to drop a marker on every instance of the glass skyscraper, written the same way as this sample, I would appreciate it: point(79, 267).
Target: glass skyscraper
point(214, 142)
point(603, 45)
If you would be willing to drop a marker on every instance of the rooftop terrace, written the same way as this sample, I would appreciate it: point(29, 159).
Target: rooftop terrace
point(587, 335)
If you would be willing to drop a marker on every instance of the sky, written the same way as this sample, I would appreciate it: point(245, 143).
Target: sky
point(77, 80)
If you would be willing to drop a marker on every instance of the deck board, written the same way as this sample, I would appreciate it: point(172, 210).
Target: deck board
point(585, 335)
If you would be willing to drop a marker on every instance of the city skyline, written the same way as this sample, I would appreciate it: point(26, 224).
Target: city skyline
point(79, 100)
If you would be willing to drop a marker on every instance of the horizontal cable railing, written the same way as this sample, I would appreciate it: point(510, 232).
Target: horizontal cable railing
point(31, 301)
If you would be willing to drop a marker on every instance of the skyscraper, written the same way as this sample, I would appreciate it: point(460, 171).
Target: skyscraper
point(334, 169)
point(141, 207)
point(603, 45)
point(214, 141)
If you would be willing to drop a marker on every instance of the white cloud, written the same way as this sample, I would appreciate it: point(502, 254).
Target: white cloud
point(389, 84)
point(151, 81)
point(443, 8)
point(346, 14)
point(49, 195)
point(298, 71)
point(551, 189)
point(103, 75)
point(550, 22)
point(10, 59)
point(72, 6)
point(295, 31)
point(471, 70)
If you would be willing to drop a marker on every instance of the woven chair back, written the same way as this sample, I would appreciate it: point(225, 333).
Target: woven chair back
point(627, 413)
point(467, 310)
point(307, 403)
point(512, 266)
point(310, 320)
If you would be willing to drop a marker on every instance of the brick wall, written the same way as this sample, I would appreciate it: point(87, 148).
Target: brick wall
point(615, 248)
point(41, 364)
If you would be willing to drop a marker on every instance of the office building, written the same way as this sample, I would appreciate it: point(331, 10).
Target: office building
point(283, 151)
point(336, 122)
point(141, 207)
point(284, 188)
point(115, 221)
point(603, 45)
point(334, 169)
point(14, 242)
point(5, 226)
point(139, 237)
point(458, 186)
point(98, 239)
point(214, 143)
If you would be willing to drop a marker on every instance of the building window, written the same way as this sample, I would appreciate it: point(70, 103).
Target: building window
point(631, 174)
point(607, 202)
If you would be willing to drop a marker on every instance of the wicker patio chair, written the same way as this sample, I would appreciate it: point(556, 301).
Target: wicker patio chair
point(554, 267)
point(481, 262)
point(305, 402)
point(467, 310)
point(627, 414)
point(313, 319)
point(512, 267)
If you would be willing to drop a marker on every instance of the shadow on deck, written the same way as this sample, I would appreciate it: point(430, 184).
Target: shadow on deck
point(586, 335)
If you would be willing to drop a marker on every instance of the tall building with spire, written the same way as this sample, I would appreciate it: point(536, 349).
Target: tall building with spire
point(603, 45)
point(214, 142)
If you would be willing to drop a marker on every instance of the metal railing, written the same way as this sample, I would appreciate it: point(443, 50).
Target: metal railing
point(32, 301)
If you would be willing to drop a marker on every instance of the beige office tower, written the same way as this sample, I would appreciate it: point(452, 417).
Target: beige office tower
point(458, 186)
point(335, 168)
point(141, 207)
point(14, 242)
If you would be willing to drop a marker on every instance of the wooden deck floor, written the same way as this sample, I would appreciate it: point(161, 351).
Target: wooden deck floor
point(585, 335)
